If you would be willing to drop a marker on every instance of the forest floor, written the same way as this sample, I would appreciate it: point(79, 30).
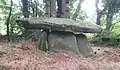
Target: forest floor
point(25, 56)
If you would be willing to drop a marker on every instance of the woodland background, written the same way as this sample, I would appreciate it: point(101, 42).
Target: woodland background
point(18, 53)
point(107, 16)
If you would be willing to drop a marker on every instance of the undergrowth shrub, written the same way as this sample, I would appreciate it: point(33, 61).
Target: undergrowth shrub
point(109, 38)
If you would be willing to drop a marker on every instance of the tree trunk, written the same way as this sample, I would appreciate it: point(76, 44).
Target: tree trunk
point(47, 8)
point(59, 9)
point(77, 10)
point(36, 8)
point(109, 21)
point(53, 8)
point(65, 9)
point(33, 9)
point(25, 8)
point(98, 12)
point(8, 20)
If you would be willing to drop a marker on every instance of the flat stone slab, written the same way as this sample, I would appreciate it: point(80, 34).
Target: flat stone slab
point(59, 24)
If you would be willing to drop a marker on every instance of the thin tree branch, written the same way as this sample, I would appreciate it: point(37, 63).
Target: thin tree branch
point(8, 20)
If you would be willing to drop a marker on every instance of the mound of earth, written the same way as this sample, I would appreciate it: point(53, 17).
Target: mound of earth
point(25, 56)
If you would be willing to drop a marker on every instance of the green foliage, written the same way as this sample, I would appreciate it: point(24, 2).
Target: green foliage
point(3, 67)
point(4, 7)
point(103, 21)
point(82, 14)
point(106, 38)
point(111, 5)
point(16, 13)
point(111, 9)
point(112, 37)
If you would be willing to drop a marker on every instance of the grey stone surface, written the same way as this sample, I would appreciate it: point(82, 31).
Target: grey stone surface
point(62, 41)
point(59, 24)
point(42, 42)
point(83, 45)
point(64, 36)
point(34, 34)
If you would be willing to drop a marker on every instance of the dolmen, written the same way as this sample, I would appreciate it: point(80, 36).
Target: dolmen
point(61, 34)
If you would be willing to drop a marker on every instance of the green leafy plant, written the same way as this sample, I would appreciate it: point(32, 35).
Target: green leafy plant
point(109, 38)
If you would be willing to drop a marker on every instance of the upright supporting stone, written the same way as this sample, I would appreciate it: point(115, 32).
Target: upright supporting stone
point(62, 41)
point(83, 45)
point(42, 43)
